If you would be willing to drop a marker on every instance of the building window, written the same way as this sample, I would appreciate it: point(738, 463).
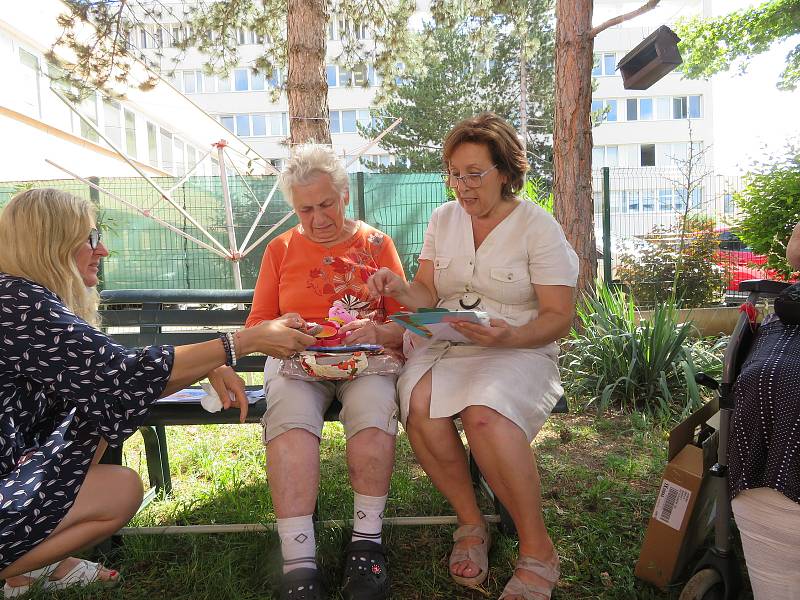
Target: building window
point(332, 29)
point(259, 125)
point(180, 158)
point(243, 125)
point(361, 76)
point(604, 110)
point(665, 200)
point(694, 107)
point(679, 107)
point(330, 75)
point(605, 156)
point(29, 86)
point(646, 109)
point(648, 201)
point(663, 108)
point(604, 64)
point(224, 83)
point(130, 133)
point(687, 107)
point(227, 122)
point(88, 108)
point(345, 77)
point(349, 121)
point(335, 122)
point(647, 154)
point(632, 198)
point(240, 80)
point(632, 109)
point(152, 144)
point(727, 204)
point(166, 150)
point(190, 83)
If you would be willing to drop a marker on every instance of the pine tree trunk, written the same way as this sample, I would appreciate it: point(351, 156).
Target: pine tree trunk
point(306, 86)
point(572, 134)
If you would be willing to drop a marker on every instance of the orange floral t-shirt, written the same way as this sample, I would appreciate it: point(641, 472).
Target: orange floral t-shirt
point(298, 275)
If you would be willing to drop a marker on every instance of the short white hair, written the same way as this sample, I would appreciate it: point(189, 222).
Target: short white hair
point(308, 161)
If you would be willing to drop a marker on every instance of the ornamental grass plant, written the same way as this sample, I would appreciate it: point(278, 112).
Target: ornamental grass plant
point(617, 361)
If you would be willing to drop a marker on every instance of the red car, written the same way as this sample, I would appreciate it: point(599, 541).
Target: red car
point(740, 262)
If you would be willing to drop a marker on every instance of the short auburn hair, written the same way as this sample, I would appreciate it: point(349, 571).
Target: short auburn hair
point(503, 143)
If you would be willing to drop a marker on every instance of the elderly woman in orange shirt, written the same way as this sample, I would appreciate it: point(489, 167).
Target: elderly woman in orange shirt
point(328, 258)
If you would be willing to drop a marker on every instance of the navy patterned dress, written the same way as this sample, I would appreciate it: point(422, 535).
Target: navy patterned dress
point(63, 385)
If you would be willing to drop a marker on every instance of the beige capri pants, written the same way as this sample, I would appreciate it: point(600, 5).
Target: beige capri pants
point(369, 401)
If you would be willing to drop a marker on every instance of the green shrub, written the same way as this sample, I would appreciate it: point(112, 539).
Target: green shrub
point(770, 205)
point(648, 366)
point(678, 265)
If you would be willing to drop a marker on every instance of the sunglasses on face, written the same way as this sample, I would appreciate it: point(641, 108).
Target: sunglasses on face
point(94, 238)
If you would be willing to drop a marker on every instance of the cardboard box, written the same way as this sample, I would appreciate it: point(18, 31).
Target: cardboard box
point(686, 503)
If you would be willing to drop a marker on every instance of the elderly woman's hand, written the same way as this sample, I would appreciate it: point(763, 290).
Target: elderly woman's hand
point(498, 334)
point(361, 331)
point(385, 282)
point(225, 382)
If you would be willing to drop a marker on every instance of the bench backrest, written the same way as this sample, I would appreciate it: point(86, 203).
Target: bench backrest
point(177, 317)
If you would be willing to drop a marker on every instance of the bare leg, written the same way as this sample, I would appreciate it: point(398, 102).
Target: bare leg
point(91, 516)
point(293, 471)
point(507, 462)
point(370, 458)
point(109, 497)
point(439, 450)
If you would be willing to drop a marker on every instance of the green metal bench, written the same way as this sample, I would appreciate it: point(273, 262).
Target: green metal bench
point(137, 318)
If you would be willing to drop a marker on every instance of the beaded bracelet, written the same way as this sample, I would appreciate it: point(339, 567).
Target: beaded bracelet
point(229, 357)
point(232, 344)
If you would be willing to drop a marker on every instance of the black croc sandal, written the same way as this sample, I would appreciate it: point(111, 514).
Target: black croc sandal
point(303, 584)
point(366, 576)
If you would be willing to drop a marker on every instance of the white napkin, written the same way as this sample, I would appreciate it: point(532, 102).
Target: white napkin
point(211, 401)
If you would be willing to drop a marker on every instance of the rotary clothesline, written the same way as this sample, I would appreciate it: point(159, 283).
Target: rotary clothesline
point(233, 252)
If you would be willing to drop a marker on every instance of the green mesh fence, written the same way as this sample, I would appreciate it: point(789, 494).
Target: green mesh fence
point(145, 254)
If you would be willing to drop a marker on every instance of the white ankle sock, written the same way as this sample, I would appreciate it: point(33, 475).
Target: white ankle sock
point(368, 517)
point(298, 545)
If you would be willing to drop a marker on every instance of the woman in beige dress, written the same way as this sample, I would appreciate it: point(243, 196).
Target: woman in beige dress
point(489, 250)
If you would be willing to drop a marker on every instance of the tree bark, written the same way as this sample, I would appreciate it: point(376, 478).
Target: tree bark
point(572, 134)
point(306, 85)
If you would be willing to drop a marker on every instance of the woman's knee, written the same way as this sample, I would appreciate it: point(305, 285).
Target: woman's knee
point(479, 417)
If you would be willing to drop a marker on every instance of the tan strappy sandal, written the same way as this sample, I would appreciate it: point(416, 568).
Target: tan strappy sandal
point(477, 553)
point(549, 571)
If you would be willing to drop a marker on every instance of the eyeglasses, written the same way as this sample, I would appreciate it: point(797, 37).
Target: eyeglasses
point(471, 180)
point(94, 238)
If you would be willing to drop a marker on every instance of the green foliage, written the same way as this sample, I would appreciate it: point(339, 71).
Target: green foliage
point(770, 205)
point(677, 265)
point(616, 361)
point(536, 191)
point(709, 46)
point(472, 64)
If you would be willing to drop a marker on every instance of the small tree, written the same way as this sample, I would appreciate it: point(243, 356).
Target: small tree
point(770, 205)
point(676, 266)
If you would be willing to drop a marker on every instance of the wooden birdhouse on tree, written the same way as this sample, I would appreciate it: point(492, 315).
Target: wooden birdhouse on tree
point(654, 57)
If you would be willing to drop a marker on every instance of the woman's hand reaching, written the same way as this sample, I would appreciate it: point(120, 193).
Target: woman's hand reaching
point(279, 338)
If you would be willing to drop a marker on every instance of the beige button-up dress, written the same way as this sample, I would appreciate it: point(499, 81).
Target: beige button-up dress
point(527, 247)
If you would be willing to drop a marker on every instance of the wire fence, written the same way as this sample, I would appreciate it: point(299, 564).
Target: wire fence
point(144, 254)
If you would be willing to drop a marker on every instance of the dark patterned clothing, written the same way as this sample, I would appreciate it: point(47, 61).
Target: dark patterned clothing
point(764, 449)
point(63, 385)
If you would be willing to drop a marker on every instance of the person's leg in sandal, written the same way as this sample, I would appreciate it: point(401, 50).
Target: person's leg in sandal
point(503, 453)
point(438, 448)
point(472, 553)
point(109, 497)
point(369, 418)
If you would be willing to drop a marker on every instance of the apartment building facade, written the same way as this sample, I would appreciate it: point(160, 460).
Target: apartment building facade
point(649, 137)
point(248, 103)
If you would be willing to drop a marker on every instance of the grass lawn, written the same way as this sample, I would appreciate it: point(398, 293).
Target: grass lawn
point(600, 476)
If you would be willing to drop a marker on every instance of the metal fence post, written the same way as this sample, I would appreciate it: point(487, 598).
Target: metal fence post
point(361, 209)
point(606, 227)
